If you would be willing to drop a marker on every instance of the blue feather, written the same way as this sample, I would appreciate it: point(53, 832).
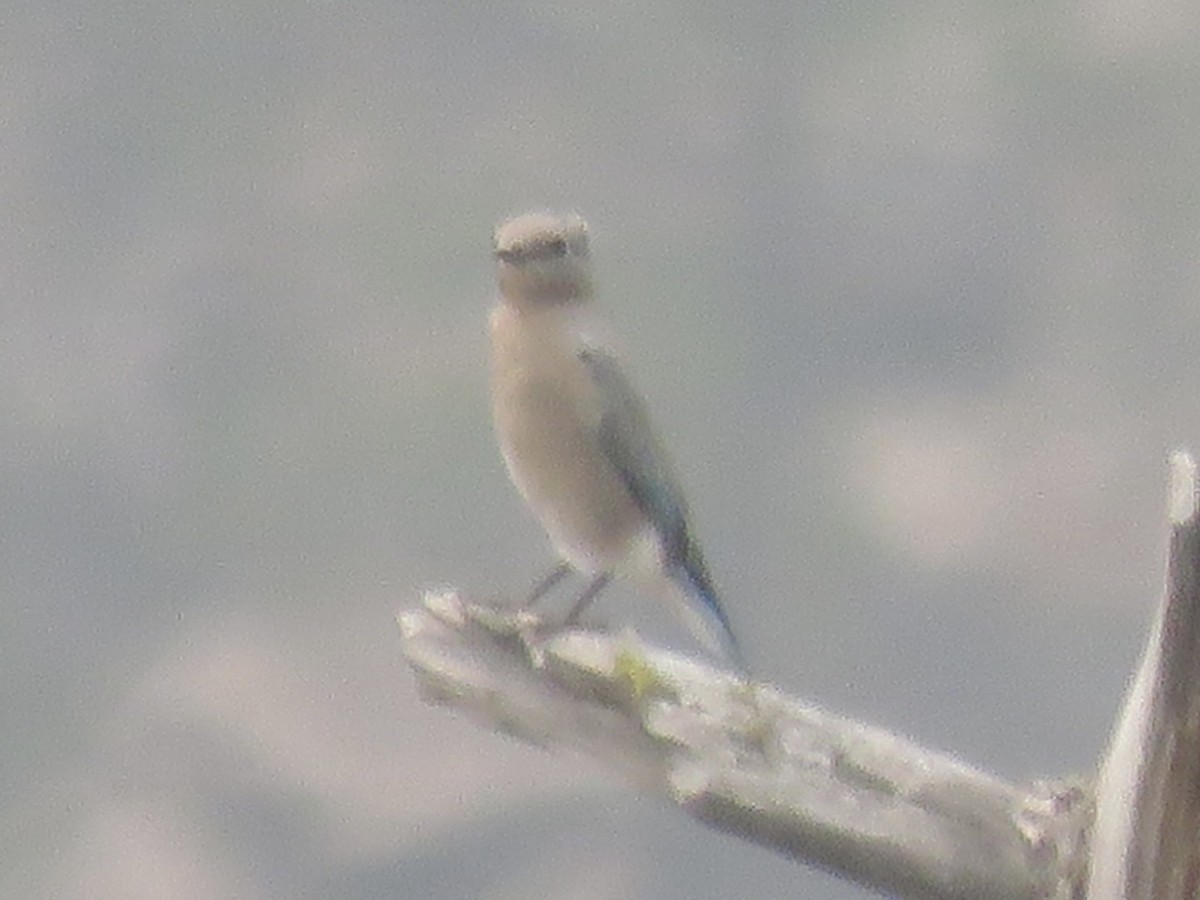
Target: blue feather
point(629, 445)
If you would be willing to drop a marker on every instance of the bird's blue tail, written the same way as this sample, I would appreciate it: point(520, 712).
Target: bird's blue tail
point(704, 613)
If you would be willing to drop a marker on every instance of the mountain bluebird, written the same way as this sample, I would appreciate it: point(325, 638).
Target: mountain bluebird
point(576, 437)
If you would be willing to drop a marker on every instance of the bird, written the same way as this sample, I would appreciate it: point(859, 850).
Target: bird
point(576, 436)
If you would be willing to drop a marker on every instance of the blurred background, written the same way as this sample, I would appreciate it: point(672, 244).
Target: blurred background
point(912, 289)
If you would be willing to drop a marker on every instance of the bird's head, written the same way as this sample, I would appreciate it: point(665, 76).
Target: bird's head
point(542, 259)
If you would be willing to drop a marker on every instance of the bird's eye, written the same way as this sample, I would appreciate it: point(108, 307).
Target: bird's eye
point(551, 248)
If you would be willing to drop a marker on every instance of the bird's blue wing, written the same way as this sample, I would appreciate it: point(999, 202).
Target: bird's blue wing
point(629, 444)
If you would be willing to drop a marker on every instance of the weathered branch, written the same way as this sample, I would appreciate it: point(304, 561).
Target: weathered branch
point(748, 759)
point(1147, 831)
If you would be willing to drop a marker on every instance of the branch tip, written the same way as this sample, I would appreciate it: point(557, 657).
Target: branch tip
point(1182, 501)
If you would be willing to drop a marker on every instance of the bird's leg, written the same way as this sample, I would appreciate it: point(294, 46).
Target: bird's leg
point(589, 594)
point(547, 581)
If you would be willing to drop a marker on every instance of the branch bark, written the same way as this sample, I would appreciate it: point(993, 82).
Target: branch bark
point(1147, 830)
point(746, 758)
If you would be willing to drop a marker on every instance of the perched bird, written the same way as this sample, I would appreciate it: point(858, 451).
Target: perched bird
point(576, 437)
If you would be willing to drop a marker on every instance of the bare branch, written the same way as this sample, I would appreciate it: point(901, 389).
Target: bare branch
point(748, 759)
point(1147, 831)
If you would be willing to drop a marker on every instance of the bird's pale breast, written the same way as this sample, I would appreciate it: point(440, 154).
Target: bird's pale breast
point(547, 413)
